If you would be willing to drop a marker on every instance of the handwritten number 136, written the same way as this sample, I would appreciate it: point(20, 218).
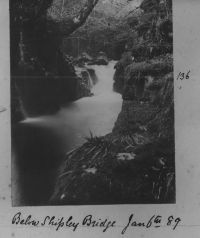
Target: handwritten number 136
point(183, 76)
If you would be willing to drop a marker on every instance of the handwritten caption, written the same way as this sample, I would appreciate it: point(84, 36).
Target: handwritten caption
point(105, 224)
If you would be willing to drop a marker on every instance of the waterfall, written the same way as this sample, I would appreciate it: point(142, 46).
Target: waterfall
point(104, 86)
point(21, 47)
point(97, 113)
point(91, 84)
point(22, 109)
point(19, 103)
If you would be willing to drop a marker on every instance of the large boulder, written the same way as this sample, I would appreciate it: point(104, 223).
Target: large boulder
point(120, 67)
point(101, 59)
point(86, 79)
point(82, 59)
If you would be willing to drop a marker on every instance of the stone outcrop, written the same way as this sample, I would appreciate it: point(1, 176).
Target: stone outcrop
point(86, 80)
point(120, 67)
point(101, 59)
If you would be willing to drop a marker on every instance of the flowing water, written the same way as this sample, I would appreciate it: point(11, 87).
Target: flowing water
point(43, 141)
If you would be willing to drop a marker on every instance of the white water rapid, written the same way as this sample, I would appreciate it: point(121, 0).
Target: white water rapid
point(96, 114)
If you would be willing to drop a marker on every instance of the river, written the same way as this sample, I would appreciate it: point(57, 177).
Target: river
point(42, 142)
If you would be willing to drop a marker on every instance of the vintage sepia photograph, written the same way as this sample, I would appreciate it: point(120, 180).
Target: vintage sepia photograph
point(92, 102)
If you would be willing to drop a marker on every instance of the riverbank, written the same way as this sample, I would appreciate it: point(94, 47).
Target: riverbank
point(118, 168)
